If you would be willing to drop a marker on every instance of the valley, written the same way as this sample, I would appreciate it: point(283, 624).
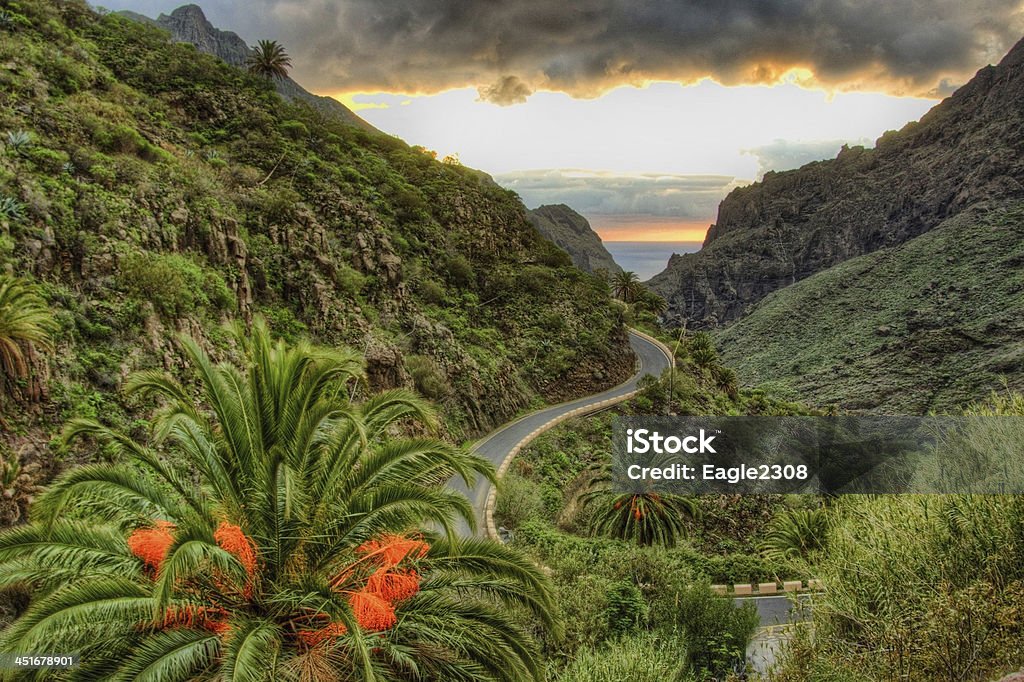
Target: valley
point(283, 396)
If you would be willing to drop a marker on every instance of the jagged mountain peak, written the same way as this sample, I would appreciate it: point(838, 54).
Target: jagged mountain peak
point(188, 24)
point(189, 10)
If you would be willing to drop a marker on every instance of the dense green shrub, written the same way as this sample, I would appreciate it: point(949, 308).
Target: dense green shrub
point(431, 291)
point(175, 284)
point(348, 279)
point(427, 377)
point(627, 610)
point(295, 130)
point(460, 270)
point(716, 631)
point(739, 567)
point(520, 501)
point(123, 139)
point(536, 281)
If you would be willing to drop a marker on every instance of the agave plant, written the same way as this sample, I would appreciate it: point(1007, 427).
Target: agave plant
point(276, 531)
point(10, 469)
point(11, 209)
point(18, 141)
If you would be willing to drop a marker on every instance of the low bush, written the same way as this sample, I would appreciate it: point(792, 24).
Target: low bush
point(716, 631)
point(520, 501)
point(641, 658)
point(174, 284)
point(427, 377)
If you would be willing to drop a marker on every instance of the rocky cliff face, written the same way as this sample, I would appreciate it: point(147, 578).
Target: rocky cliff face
point(967, 151)
point(571, 231)
point(188, 24)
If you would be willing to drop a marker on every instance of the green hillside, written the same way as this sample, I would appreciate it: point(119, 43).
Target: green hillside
point(153, 190)
point(932, 324)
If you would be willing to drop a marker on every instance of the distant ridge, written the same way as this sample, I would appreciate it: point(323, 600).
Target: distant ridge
point(571, 231)
point(188, 24)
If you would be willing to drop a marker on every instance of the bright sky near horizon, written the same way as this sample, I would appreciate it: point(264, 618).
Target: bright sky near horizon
point(643, 164)
point(641, 116)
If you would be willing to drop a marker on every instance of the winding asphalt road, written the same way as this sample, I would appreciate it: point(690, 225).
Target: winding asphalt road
point(651, 359)
point(495, 447)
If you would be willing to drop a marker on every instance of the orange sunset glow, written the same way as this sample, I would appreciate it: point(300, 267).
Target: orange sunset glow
point(644, 228)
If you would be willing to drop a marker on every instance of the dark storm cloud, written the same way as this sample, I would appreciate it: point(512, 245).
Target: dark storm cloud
point(586, 46)
point(687, 197)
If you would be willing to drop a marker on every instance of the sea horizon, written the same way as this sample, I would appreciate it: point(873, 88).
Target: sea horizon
point(647, 258)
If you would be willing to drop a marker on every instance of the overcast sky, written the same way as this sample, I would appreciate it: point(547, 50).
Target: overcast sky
point(625, 109)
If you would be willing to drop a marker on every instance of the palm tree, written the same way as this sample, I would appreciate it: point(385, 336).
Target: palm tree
point(276, 533)
point(646, 518)
point(701, 348)
point(25, 323)
point(727, 381)
point(626, 286)
point(796, 533)
point(652, 302)
point(269, 60)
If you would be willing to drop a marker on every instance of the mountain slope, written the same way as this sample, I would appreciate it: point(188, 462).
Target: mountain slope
point(153, 190)
point(931, 324)
point(967, 150)
point(188, 24)
point(571, 231)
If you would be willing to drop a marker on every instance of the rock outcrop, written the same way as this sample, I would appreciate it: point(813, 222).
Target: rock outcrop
point(188, 24)
point(967, 151)
point(571, 231)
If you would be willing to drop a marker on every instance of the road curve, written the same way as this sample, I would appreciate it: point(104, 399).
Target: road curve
point(652, 358)
point(501, 445)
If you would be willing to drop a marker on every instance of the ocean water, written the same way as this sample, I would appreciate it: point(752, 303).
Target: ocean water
point(647, 259)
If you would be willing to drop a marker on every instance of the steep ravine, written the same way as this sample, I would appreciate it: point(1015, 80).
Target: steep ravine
point(967, 151)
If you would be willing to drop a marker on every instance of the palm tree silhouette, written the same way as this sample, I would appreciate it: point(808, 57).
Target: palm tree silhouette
point(269, 60)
